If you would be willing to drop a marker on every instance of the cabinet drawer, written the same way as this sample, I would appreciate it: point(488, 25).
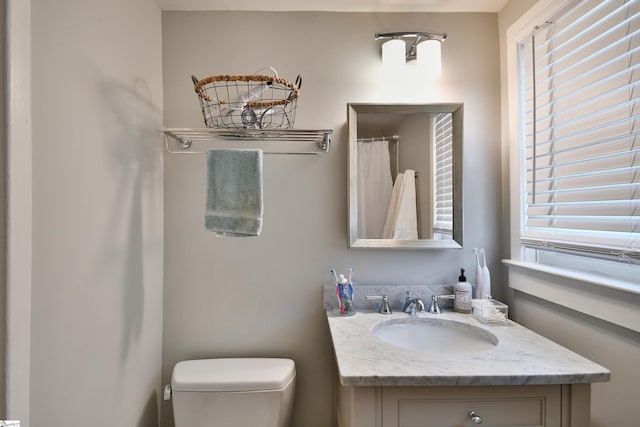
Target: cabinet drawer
point(501, 407)
point(450, 413)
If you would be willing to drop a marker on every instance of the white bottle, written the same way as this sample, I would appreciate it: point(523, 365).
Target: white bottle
point(479, 284)
point(486, 278)
point(462, 293)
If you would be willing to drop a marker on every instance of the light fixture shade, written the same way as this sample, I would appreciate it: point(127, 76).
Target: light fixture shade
point(394, 53)
point(430, 59)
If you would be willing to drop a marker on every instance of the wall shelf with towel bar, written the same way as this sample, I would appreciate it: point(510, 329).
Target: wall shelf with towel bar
point(280, 141)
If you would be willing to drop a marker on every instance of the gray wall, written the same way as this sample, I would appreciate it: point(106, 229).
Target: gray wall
point(613, 403)
point(97, 213)
point(263, 296)
point(3, 210)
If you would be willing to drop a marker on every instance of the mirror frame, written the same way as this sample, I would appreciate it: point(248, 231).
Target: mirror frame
point(457, 110)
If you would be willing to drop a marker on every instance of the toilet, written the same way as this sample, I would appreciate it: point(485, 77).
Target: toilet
point(256, 392)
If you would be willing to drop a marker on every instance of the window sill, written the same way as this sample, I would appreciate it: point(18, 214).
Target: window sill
point(614, 301)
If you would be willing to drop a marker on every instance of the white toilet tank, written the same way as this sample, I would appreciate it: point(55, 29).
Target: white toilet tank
point(252, 392)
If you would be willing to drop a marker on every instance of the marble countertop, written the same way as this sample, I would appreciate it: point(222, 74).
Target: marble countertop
point(521, 357)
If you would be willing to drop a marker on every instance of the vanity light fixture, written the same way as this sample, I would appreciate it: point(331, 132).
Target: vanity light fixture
point(425, 47)
point(394, 53)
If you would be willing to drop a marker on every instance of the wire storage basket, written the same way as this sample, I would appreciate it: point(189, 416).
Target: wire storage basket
point(248, 102)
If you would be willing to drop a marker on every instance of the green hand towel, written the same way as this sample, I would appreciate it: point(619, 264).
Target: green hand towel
point(234, 192)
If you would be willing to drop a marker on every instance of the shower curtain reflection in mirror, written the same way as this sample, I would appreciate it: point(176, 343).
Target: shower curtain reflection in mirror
point(386, 207)
point(375, 185)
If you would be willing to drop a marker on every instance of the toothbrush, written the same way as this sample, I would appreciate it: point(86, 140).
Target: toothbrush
point(335, 275)
point(350, 285)
point(479, 284)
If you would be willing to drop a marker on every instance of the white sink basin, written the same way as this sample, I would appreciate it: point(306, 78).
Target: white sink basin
point(434, 335)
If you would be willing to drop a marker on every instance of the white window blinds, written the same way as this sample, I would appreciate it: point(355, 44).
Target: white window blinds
point(443, 173)
point(580, 127)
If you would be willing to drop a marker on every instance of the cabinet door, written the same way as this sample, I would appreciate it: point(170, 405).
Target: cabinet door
point(525, 406)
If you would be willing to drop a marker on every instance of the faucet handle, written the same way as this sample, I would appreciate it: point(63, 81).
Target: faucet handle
point(384, 307)
point(435, 303)
point(435, 307)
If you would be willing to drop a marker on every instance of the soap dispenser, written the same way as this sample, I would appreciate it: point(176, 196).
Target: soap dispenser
point(462, 294)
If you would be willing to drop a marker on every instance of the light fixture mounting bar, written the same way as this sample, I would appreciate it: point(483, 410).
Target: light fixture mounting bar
point(411, 34)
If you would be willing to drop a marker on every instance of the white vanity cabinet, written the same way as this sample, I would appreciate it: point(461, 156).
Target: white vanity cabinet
point(525, 380)
point(452, 406)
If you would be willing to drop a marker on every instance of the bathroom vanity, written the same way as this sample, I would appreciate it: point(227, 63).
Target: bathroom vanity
point(523, 379)
point(388, 406)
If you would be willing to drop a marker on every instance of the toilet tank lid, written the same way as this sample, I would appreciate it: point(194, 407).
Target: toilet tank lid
point(235, 374)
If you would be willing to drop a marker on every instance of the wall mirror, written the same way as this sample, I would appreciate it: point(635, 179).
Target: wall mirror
point(405, 175)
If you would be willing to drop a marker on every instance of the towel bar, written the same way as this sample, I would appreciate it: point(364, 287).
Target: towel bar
point(289, 141)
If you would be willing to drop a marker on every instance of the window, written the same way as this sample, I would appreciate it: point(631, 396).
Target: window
point(579, 126)
point(443, 175)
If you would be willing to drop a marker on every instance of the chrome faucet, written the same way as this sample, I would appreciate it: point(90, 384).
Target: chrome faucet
point(412, 305)
point(435, 303)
